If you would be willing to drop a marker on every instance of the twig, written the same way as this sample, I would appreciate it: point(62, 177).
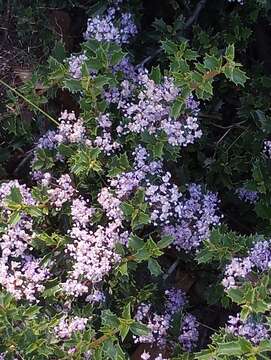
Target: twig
point(230, 126)
point(190, 21)
point(171, 269)
point(29, 102)
point(24, 160)
point(194, 17)
point(243, 133)
point(95, 343)
point(222, 137)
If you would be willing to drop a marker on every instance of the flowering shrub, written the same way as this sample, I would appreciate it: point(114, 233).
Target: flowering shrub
point(129, 224)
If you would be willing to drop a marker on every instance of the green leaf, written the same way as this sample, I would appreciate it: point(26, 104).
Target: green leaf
point(238, 77)
point(14, 218)
point(204, 355)
point(165, 242)
point(157, 149)
point(116, 57)
point(169, 47)
point(212, 63)
point(44, 160)
point(109, 319)
point(123, 329)
point(139, 329)
point(245, 312)
point(109, 349)
point(139, 218)
point(15, 195)
point(72, 85)
point(235, 74)
point(156, 75)
point(135, 242)
point(59, 52)
point(101, 80)
point(123, 269)
point(177, 108)
point(119, 164)
point(85, 161)
point(142, 254)
point(265, 345)
point(127, 209)
point(230, 348)
point(230, 53)
point(66, 150)
point(52, 289)
point(246, 345)
point(126, 314)
point(260, 306)
point(154, 267)
point(32, 311)
point(236, 295)
point(34, 211)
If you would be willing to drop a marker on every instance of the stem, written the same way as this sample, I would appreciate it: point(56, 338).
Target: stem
point(29, 102)
point(193, 18)
point(95, 343)
point(171, 269)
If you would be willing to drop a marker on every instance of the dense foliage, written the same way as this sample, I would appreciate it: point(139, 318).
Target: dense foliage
point(135, 188)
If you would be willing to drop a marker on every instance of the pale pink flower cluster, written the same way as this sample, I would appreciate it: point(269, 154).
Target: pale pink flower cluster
point(62, 192)
point(93, 257)
point(68, 326)
point(21, 274)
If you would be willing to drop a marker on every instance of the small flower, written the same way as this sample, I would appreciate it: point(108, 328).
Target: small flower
point(145, 355)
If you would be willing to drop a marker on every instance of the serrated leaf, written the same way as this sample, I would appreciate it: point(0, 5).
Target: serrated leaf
point(116, 57)
point(154, 267)
point(135, 242)
point(156, 75)
point(230, 52)
point(169, 47)
point(123, 329)
point(176, 108)
point(230, 348)
point(212, 63)
point(139, 218)
point(123, 269)
point(165, 241)
point(127, 209)
point(15, 195)
point(139, 329)
point(34, 211)
point(14, 218)
point(72, 85)
point(126, 314)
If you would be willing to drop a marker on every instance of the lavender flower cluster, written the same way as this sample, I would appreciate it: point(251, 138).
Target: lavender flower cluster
point(259, 258)
point(75, 63)
point(72, 130)
point(189, 332)
point(159, 324)
point(241, 2)
point(146, 107)
point(248, 196)
point(187, 218)
point(195, 215)
point(251, 330)
point(114, 26)
point(267, 148)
